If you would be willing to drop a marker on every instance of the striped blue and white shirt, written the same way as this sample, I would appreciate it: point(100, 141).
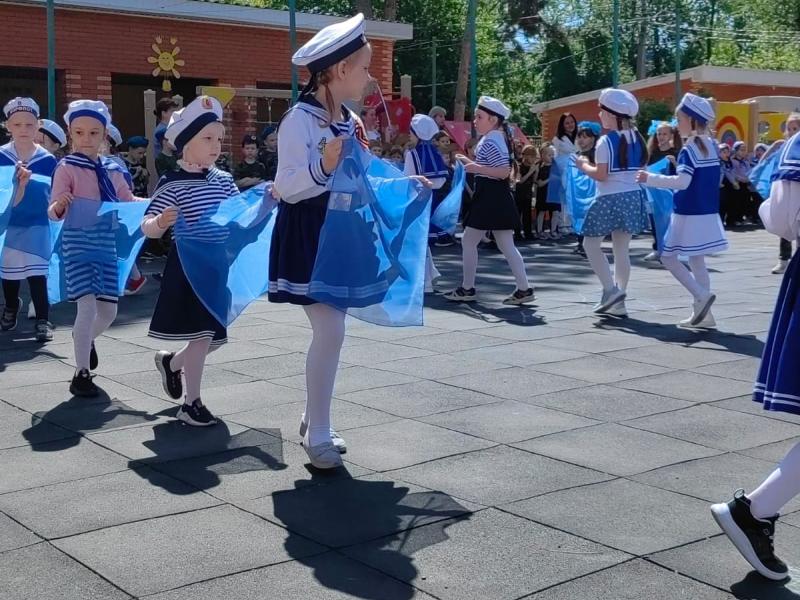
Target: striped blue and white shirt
point(492, 151)
point(194, 194)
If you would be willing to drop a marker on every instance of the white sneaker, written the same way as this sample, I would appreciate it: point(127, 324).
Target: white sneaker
point(324, 456)
point(337, 440)
point(544, 236)
point(555, 236)
point(707, 323)
point(609, 299)
point(700, 309)
point(780, 268)
point(617, 310)
point(654, 256)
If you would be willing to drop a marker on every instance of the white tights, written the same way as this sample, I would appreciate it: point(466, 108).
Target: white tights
point(697, 281)
point(622, 260)
point(782, 485)
point(93, 318)
point(505, 242)
point(191, 359)
point(322, 362)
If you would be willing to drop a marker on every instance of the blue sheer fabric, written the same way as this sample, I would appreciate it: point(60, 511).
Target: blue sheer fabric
point(96, 249)
point(445, 217)
point(29, 228)
point(556, 189)
point(223, 254)
point(661, 201)
point(371, 256)
point(580, 191)
point(6, 197)
point(761, 175)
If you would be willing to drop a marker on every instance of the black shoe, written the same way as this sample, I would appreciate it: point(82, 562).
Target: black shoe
point(461, 295)
point(752, 537)
point(443, 241)
point(196, 414)
point(520, 297)
point(44, 331)
point(93, 359)
point(82, 385)
point(171, 380)
point(8, 322)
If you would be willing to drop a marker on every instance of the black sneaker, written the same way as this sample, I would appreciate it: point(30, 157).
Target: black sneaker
point(82, 385)
point(171, 380)
point(196, 414)
point(443, 241)
point(461, 295)
point(520, 297)
point(8, 322)
point(752, 537)
point(44, 331)
point(93, 359)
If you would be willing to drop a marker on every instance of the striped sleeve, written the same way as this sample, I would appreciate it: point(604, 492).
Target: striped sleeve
point(163, 197)
point(490, 154)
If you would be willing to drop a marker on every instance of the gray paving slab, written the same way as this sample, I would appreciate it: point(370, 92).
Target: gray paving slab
point(439, 366)
point(419, 398)
point(498, 475)
point(379, 353)
point(520, 354)
point(515, 383)
point(13, 535)
point(685, 385)
point(616, 449)
point(286, 418)
point(54, 462)
point(270, 331)
point(270, 367)
point(45, 396)
point(19, 428)
point(597, 342)
point(149, 382)
point(601, 369)
point(745, 404)
point(507, 421)
point(251, 472)
point(75, 507)
point(671, 520)
point(771, 452)
point(323, 577)
point(453, 341)
point(27, 374)
point(713, 427)
point(665, 355)
point(252, 395)
point(537, 332)
point(513, 556)
point(716, 562)
point(404, 443)
point(744, 369)
point(633, 580)
point(22, 577)
point(713, 479)
point(352, 379)
point(181, 549)
point(174, 440)
point(346, 512)
point(607, 403)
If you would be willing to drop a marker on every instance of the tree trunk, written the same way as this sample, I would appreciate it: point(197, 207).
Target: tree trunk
point(641, 47)
point(460, 102)
point(390, 10)
point(364, 6)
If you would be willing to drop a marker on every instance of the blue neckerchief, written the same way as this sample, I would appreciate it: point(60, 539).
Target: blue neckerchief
point(427, 160)
point(101, 169)
point(789, 160)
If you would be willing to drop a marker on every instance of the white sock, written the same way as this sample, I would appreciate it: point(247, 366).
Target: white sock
point(322, 362)
point(505, 243)
point(682, 274)
point(779, 488)
point(82, 330)
point(621, 241)
point(598, 261)
point(469, 255)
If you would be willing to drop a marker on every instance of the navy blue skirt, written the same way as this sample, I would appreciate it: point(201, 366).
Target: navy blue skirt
point(778, 384)
point(179, 314)
point(295, 240)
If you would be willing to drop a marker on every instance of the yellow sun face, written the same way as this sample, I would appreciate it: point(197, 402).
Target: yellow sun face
point(166, 62)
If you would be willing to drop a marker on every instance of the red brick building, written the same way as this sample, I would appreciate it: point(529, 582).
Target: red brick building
point(724, 84)
point(102, 50)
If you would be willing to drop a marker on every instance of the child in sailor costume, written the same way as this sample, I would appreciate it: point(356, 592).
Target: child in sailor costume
point(310, 140)
point(425, 160)
point(493, 207)
point(695, 228)
point(51, 137)
point(749, 520)
point(194, 189)
point(619, 208)
point(81, 182)
point(24, 258)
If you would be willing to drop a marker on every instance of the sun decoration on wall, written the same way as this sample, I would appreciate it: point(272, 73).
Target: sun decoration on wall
point(166, 62)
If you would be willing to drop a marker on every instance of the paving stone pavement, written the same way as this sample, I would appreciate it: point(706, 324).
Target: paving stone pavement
point(497, 453)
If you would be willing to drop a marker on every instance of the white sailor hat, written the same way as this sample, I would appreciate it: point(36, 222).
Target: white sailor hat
point(723, 146)
point(697, 108)
point(493, 106)
point(88, 108)
point(187, 122)
point(21, 105)
point(331, 44)
point(424, 127)
point(620, 103)
point(739, 144)
point(114, 134)
point(53, 130)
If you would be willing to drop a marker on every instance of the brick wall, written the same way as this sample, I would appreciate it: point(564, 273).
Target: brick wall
point(91, 46)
